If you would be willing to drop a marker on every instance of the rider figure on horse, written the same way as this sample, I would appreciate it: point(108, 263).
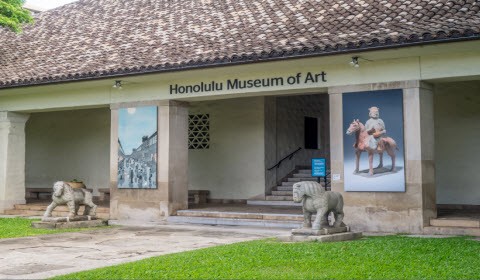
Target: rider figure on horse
point(376, 129)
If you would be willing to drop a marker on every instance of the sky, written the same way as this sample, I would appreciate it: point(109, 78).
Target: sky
point(134, 123)
point(48, 4)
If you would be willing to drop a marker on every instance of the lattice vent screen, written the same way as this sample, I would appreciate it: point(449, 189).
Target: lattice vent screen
point(198, 131)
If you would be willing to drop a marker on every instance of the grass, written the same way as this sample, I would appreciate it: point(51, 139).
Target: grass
point(21, 227)
point(388, 257)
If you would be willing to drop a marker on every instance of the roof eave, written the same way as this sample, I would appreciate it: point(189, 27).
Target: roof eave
point(237, 60)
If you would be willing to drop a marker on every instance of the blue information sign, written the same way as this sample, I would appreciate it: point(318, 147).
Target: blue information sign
point(319, 167)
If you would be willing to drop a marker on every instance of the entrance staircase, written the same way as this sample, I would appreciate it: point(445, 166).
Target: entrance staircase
point(243, 216)
point(37, 209)
point(455, 224)
point(282, 194)
point(277, 210)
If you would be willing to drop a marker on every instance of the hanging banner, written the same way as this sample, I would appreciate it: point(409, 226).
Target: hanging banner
point(373, 141)
point(137, 148)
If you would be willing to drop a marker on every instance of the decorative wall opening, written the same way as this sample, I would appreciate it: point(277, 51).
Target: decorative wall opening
point(199, 131)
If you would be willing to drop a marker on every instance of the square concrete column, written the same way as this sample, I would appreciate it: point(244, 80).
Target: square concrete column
point(407, 211)
point(172, 167)
point(420, 145)
point(12, 159)
point(270, 123)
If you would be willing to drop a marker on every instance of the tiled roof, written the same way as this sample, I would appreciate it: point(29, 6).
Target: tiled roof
point(92, 39)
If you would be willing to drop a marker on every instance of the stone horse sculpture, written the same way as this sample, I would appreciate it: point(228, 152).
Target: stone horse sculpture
point(386, 144)
point(322, 203)
point(63, 194)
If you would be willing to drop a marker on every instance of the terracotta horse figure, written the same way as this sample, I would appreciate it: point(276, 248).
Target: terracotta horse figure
point(385, 144)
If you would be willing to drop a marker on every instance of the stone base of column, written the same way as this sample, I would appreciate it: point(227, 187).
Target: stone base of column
point(9, 204)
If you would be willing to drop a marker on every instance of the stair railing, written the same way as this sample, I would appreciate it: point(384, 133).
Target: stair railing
point(289, 157)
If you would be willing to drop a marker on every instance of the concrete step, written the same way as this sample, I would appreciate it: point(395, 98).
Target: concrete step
point(62, 208)
point(282, 193)
point(29, 210)
point(274, 203)
point(288, 188)
point(234, 222)
point(309, 171)
point(31, 213)
point(240, 215)
point(300, 179)
point(455, 222)
point(452, 230)
point(291, 183)
point(25, 213)
point(284, 188)
point(302, 175)
point(279, 197)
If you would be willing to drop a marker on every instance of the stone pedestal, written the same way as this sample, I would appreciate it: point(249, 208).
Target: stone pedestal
point(68, 219)
point(66, 222)
point(329, 234)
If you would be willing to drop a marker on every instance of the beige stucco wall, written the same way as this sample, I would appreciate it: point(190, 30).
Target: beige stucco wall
point(457, 135)
point(233, 167)
point(68, 145)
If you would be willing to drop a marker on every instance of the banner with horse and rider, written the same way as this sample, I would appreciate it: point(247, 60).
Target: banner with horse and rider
point(373, 145)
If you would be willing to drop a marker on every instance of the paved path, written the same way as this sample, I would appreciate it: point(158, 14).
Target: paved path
point(50, 255)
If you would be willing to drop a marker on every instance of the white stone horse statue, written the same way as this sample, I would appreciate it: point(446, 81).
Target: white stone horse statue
point(385, 144)
point(63, 194)
point(319, 202)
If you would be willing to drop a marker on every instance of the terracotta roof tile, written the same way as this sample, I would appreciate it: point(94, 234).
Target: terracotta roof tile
point(92, 39)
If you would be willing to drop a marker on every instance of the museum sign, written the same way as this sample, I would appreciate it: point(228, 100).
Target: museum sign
point(236, 84)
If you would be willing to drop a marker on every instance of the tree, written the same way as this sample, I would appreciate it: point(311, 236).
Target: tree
point(12, 14)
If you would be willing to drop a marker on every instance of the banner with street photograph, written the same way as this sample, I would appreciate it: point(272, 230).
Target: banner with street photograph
point(137, 148)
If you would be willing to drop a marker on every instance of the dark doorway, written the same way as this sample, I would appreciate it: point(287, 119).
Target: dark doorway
point(311, 133)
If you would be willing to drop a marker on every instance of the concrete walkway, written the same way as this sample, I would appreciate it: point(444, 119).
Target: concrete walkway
point(45, 256)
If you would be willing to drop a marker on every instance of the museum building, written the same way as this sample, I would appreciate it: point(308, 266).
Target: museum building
point(153, 99)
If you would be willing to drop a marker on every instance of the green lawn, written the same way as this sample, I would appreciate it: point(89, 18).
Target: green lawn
point(21, 227)
point(389, 257)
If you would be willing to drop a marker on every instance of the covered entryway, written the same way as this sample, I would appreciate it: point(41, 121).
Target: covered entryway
point(64, 146)
point(242, 149)
point(297, 130)
point(246, 153)
point(226, 148)
point(457, 134)
point(68, 145)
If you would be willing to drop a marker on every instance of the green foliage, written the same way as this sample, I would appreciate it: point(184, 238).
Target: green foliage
point(21, 227)
point(12, 15)
point(391, 257)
